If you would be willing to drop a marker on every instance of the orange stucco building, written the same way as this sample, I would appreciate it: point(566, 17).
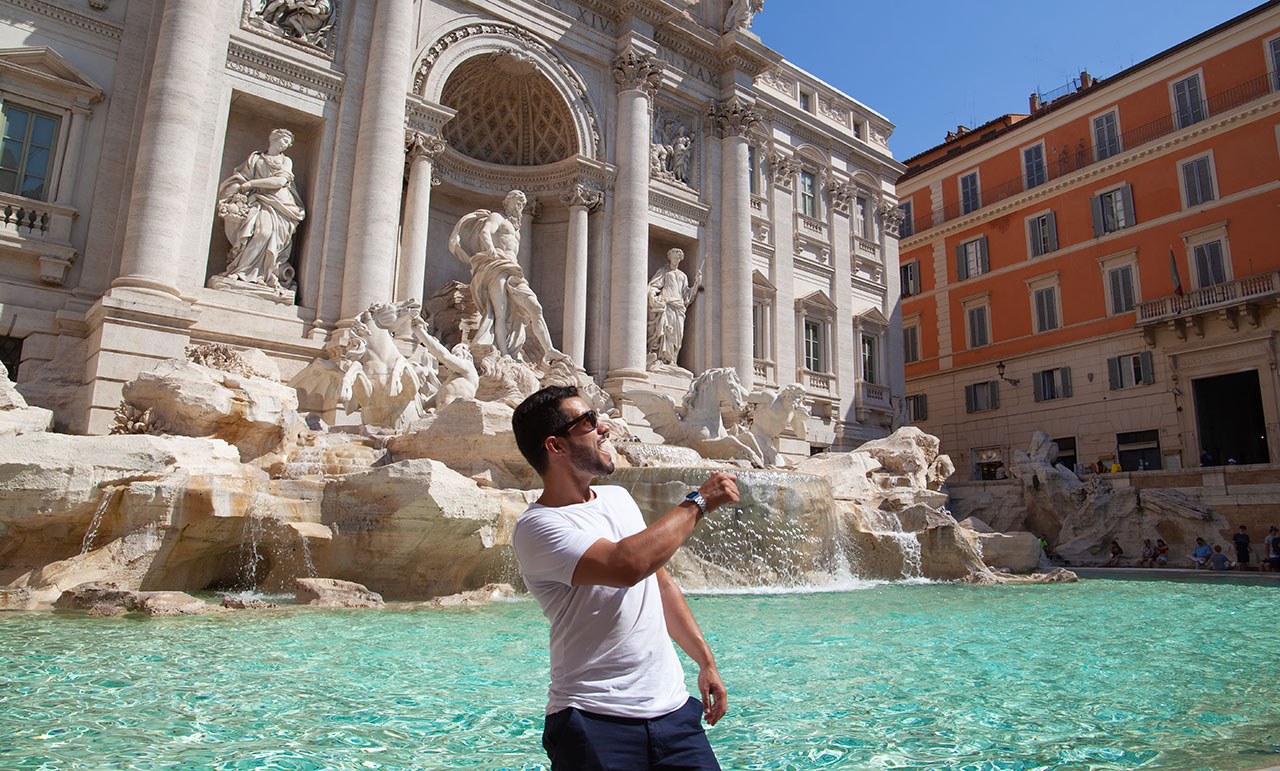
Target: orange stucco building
point(1105, 267)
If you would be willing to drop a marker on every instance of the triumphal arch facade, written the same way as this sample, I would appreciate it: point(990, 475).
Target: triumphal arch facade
point(260, 172)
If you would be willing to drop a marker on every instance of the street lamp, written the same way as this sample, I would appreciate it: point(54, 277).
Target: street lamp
point(1013, 381)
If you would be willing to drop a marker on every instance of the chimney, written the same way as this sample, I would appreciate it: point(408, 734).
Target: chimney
point(1086, 80)
point(1035, 102)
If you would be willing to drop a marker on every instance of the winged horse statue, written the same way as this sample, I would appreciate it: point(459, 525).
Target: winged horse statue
point(698, 422)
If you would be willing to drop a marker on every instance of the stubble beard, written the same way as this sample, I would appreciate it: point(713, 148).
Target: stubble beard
point(588, 459)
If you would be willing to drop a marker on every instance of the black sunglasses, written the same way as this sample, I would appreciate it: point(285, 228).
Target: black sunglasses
point(590, 416)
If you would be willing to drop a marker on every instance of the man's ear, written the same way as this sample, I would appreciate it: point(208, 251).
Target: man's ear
point(552, 446)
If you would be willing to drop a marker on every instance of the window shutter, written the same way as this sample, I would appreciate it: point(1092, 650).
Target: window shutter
point(1126, 195)
point(1066, 381)
point(994, 385)
point(1037, 387)
point(983, 261)
point(922, 406)
point(1095, 204)
point(1113, 373)
point(962, 271)
point(1033, 225)
point(1148, 371)
point(968, 398)
point(1117, 291)
point(1052, 225)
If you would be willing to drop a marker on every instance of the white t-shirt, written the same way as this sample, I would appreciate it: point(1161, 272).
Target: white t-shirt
point(610, 652)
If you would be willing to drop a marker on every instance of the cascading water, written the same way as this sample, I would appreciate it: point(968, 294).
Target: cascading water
point(86, 544)
point(251, 554)
point(889, 525)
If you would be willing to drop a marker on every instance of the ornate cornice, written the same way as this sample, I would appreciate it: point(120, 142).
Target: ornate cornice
point(105, 28)
point(733, 117)
point(549, 180)
point(690, 212)
point(579, 194)
point(424, 117)
point(635, 70)
point(284, 73)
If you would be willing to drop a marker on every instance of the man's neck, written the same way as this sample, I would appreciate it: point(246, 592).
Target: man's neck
point(565, 490)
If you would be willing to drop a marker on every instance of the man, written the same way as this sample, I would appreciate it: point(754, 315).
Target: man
point(1273, 549)
point(1241, 540)
point(1200, 557)
point(617, 699)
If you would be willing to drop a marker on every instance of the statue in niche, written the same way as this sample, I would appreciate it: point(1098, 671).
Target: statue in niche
point(741, 13)
point(369, 374)
point(671, 153)
point(670, 296)
point(260, 209)
point(307, 20)
point(775, 413)
point(489, 243)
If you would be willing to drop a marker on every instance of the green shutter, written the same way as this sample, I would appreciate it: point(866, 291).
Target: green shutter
point(1095, 204)
point(1053, 231)
point(1126, 195)
point(1037, 388)
point(922, 406)
point(968, 398)
point(1148, 371)
point(1066, 381)
point(962, 270)
point(994, 385)
point(1113, 373)
point(984, 262)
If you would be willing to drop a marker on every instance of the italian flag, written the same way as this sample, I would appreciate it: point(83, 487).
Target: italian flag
point(1173, 273)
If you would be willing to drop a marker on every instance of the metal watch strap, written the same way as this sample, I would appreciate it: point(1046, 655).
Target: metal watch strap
point(698, 501)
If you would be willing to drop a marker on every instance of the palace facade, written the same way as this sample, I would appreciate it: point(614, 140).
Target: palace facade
point(1104, 268)
point(633, 128)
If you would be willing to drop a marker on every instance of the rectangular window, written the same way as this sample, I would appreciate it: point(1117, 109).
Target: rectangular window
point(909, 273)
point(982, 396)
point(970, 199)
point(979, 327)
point(1197, 179)
point(917, 407)
point(908, 226)
point(911, 344)
point(757, 330)
point(814, 356)
point(1113, 210)
point(1106, 135)
point(1186, 99)
point(870, 359)
point(1139, 450)
point(808, 194)
point(1066, 452)
point(1210, 269)
point(26, 152)
point(752, 172)
point(1123, 298)
point(1052, 384)
point(1043, 234)
point(1131, 370)
point(972, 258)
point(860, 216)
point(806, 101)
point(1046, 309)
point(1033, 164)
point(1275, 62)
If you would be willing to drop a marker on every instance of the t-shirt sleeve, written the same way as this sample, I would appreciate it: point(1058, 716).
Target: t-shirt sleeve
point(548, 548)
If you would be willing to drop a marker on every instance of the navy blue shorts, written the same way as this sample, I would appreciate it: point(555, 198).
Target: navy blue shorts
point(586, 741)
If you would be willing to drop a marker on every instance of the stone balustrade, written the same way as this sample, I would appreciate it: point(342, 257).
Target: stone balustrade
point(40, 230)
point(1211, 298)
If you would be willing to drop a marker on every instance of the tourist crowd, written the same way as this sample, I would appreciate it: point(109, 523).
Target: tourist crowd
point(1204, 557)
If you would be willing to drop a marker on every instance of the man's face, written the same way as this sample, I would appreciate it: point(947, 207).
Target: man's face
point(586, 444)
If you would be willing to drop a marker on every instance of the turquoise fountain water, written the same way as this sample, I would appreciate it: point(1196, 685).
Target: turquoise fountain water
point(1102, 674)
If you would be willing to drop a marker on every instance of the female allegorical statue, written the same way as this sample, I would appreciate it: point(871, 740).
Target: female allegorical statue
point(261, 209)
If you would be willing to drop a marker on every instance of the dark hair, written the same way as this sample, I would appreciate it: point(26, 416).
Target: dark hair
point(538, 417)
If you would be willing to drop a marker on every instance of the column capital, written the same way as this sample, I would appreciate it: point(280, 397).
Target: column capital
point(635, 70)
point(841, 195)
point(891, 216)
point(783, 169)
point(579, 194)
point(420, 145)
point(733, 117)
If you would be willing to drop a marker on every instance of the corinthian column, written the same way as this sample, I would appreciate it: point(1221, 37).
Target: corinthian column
point(421, 151)
point(733, 117)
point(580, 200)
point(154, 240)
point(369, 263)
point(638, 77)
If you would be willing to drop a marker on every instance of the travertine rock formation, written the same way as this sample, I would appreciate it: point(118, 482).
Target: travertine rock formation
point(471, 437)
point(332, 593)
point(16, 417)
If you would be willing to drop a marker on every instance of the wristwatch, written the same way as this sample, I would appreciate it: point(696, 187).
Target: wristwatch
point(699, 501)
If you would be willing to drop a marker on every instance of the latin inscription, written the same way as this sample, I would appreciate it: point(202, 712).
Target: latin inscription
point(687, 65)
point(584, 16)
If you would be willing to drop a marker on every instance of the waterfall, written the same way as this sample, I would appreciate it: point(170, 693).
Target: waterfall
point(251, 554)
point(94, 524)
point(889, 525)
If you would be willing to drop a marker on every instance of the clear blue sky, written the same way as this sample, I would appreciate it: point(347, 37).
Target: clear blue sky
point(930, 65)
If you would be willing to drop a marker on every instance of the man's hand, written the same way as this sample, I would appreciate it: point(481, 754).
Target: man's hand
point(720, 489)
point(713, 694)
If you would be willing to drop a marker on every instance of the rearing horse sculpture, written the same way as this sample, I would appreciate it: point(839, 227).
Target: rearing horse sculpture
point(698, 422)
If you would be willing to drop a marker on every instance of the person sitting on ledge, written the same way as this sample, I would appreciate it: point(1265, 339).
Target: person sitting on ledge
point(1219, 560)
point(1200, 557)
point(1116, 554)
point(1162, 554)
point(1148, 554)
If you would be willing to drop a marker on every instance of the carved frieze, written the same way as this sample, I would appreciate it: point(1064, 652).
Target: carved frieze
point(673, 148)
point(778, 81)
point(783, 169)
point(733, 116)
point(307, 24)
point(635, 70)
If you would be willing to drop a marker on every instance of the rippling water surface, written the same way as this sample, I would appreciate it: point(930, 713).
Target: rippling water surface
point(1103, 674)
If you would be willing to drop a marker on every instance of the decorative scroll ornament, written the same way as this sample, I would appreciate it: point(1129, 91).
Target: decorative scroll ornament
point(420, 145)
point(733, 116)
point(636, 71)
point(784, 169)
point(841, 195)
point(306, 21)
point(891, 216)
point(581, 195)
